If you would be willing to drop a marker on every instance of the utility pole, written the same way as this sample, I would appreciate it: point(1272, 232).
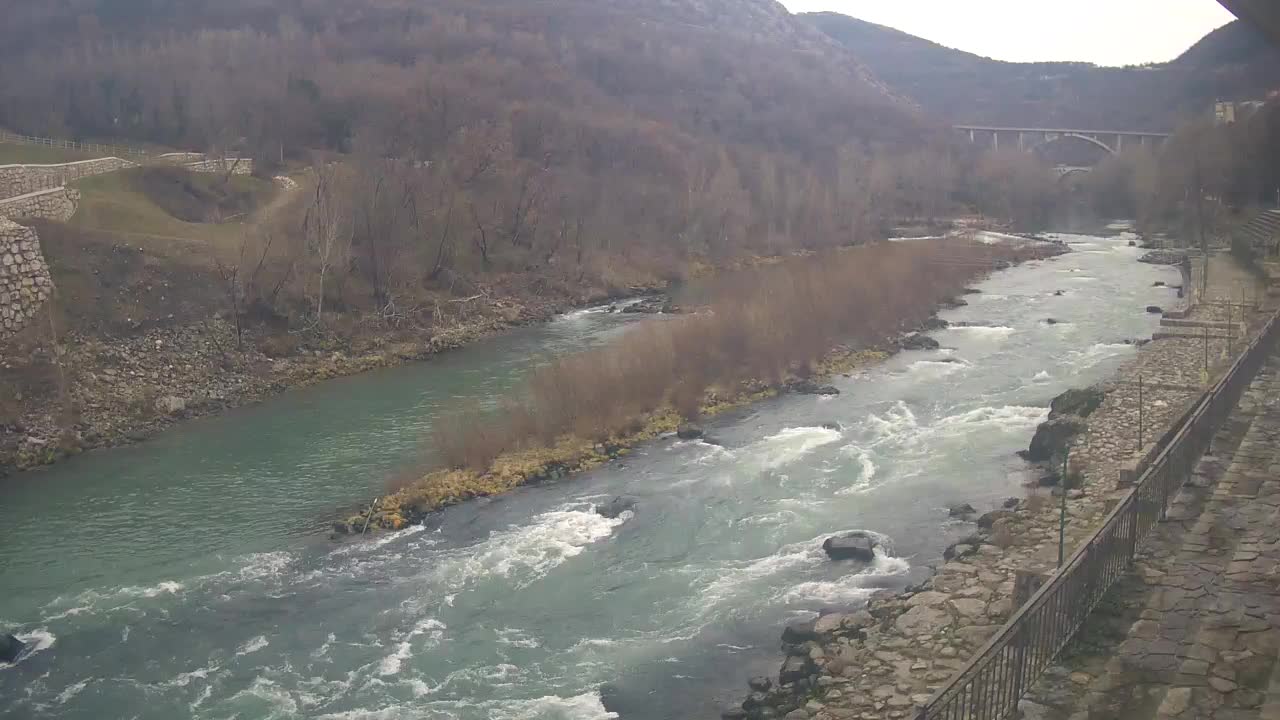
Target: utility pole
point(1140, 418)
point(1204, 241)
point(1062, 515)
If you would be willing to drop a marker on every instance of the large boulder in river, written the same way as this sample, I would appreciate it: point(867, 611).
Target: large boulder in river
point(616, 506)
point(1053, 436)
point(1080, 402)
point(854, 546)
point(10, 648)
point(689, 431)
point(920, 342)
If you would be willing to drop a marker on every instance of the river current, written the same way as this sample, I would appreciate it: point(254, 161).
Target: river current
point(191, 576)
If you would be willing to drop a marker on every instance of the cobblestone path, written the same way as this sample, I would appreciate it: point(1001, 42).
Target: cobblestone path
point(1194, 632)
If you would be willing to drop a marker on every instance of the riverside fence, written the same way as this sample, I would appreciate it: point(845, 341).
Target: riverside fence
point(991, 684)
point(117, 150)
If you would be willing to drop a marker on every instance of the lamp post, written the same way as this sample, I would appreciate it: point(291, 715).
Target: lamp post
point(1062, 515)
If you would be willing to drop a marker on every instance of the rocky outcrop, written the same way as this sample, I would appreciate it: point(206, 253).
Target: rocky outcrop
point(1067, 415)
point(1077, 401)
point(1053, 436)
point(809, 387)
point(920, 342)
point(22, 179)
point(25, 283)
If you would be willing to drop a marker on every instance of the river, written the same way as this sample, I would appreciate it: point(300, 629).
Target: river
point(191, 576)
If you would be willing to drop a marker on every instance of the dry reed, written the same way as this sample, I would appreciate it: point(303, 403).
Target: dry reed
point(762, 325)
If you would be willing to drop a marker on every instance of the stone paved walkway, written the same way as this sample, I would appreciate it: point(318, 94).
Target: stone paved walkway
point(1198, 620)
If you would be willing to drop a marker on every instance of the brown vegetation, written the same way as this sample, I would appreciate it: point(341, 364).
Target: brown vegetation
point(762, 327)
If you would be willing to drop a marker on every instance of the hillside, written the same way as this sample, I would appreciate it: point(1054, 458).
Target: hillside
point(1231, 63)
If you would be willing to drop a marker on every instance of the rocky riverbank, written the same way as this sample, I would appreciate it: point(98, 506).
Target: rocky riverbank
point(887, 658)
point(123, 390)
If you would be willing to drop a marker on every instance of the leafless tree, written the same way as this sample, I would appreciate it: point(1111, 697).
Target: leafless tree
point(327, 226)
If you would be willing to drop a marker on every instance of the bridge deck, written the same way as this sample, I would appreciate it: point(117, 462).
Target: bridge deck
point(1127, 133)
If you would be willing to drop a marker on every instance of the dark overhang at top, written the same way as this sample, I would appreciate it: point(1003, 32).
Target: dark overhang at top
point(1262, 14)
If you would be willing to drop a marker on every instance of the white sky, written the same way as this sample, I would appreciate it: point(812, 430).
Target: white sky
point(1106, 32)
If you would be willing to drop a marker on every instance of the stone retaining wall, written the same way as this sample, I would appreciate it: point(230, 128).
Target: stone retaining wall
point(58, 203)
point(23, 179)
point(237, 166)
point(25, 283)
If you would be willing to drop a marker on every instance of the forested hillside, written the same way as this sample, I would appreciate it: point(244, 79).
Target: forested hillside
point(1232, 63)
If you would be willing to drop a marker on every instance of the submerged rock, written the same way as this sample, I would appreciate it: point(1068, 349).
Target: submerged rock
point(651, 306)
point(616, 506)
point(760, 683)
point(809, 387)
point(832, 425)
point(1155, 310)
point(934, 323)
point(961, 510)
point(920, 342)
point(854, 546)
point(10, 648)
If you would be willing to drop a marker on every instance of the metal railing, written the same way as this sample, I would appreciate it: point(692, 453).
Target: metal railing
point(991, 684)
point(118, 150)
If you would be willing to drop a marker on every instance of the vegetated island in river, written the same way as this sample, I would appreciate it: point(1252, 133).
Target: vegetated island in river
point(765, 330)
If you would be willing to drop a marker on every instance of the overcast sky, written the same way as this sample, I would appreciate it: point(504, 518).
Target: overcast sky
point(1106, 32)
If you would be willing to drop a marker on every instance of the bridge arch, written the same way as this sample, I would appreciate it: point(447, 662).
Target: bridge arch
point(1076, 136)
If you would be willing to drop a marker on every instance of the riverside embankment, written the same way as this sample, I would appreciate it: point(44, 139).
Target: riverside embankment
point(886, 659)
point(189, 576)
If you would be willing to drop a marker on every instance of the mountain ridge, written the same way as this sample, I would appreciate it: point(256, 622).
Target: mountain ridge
point(1233, 62)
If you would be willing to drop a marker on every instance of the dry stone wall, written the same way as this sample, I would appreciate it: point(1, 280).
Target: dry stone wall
point(54, 204)
point(25, 283)
point(23, 179)
point(237, 166)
